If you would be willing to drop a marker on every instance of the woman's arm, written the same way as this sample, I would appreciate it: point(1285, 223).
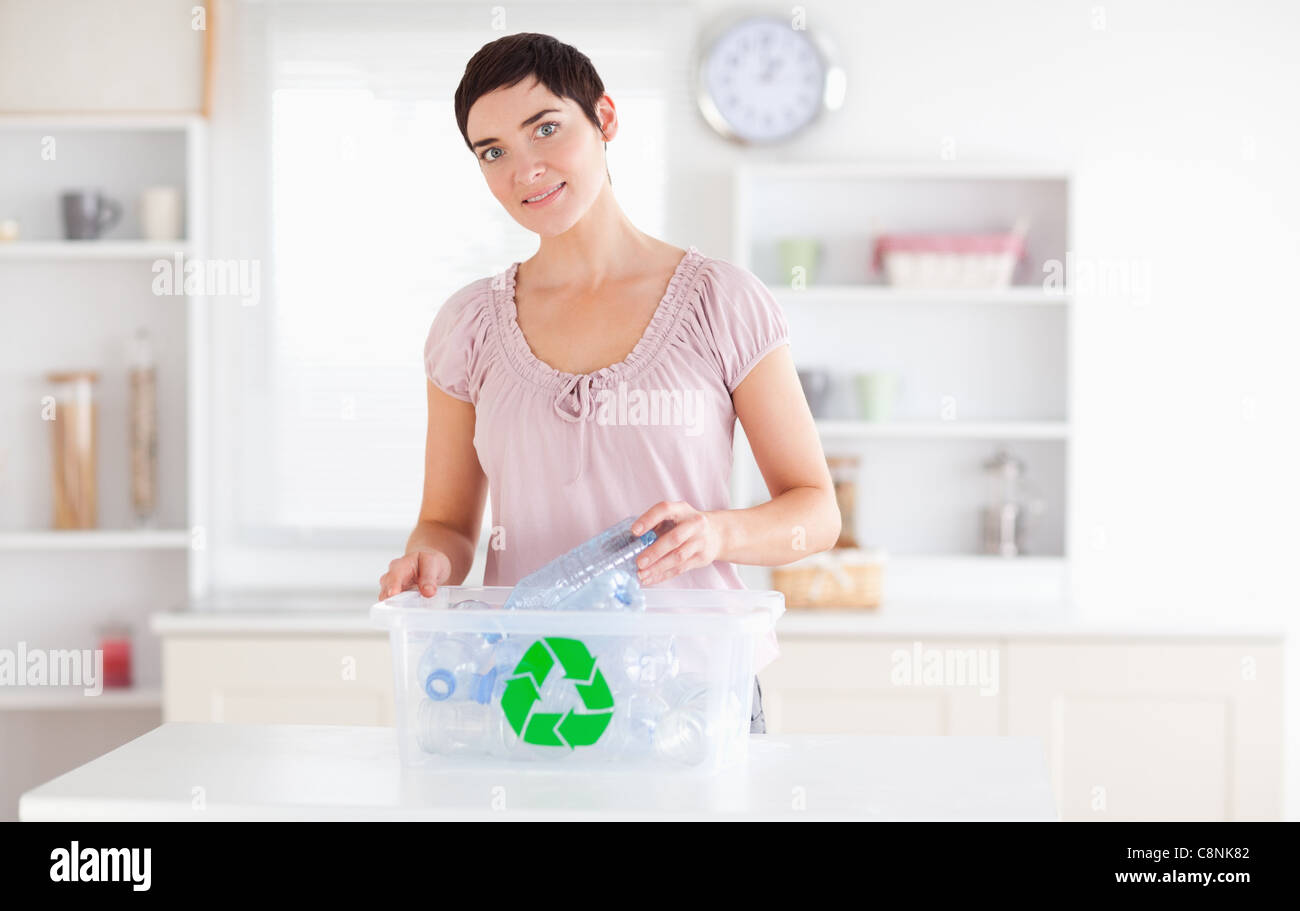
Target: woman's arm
point(441, 548)
point(802, 517)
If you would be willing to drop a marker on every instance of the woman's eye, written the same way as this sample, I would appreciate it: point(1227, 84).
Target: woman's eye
point(550, 126)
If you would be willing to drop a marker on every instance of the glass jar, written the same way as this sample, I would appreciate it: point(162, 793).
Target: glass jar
point(74, 423)
point(143, 429)
point(844, 475)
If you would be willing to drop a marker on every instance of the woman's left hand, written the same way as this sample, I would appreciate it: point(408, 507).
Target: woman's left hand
point(693, 541)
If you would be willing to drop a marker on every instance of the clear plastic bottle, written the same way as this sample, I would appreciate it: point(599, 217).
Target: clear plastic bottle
point(559, 694)
point(503, 660)
point(450, 669)
point(614, 548)
point(681, 734)
point(463, 727)
point(630, 731)
point(614, 589)
point(648, 661)
point(642, 713)
point(488, 639)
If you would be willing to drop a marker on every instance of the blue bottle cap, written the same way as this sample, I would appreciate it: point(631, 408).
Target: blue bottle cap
point(444, 677)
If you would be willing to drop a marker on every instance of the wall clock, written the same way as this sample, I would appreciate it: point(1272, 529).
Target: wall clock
point(761, 79)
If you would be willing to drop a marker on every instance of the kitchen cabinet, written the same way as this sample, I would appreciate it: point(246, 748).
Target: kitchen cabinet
point(278, 678)
point(1136, 726)
point(1175, 731)
point(848, 686)
point(1137, 723)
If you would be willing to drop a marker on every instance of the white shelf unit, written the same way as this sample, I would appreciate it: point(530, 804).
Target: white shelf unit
point(89, 249)
point(76, 304)
point(96, 539)
point(921, 430)
point(868, 294)
point(978, 371)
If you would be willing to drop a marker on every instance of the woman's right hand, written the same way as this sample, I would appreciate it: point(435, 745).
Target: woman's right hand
point(424, 568)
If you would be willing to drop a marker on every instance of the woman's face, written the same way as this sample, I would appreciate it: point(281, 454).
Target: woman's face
point(528, 142)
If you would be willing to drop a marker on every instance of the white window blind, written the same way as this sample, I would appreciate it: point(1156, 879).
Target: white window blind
point(373, 213)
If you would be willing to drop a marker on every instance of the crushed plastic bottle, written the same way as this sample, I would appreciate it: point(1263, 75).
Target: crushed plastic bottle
point(641, 715)
point(615, 548)
point(558, 695)
point(463, 727)
point(648, 661)
point(471, 604)
point(682, 732)
point(613, 589)
point(450, 669)
point(505, 658)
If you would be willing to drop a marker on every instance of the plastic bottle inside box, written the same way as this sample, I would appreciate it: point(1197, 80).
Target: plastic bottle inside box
point(668, 687)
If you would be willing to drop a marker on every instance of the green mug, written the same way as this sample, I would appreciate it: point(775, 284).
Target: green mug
point(799, 252)
point(876, 395)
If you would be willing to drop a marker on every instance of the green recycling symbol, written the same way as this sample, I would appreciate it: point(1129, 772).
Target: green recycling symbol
point(571, 729)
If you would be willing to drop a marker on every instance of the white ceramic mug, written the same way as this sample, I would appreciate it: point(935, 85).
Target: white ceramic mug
point(160, 213)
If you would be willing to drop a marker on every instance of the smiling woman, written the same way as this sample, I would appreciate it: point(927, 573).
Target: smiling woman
point(571, 109)
point(517, 363)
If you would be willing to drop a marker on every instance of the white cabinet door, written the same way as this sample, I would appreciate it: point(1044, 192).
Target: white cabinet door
point(1153, 731)
point(278, 679)
point(845, 685)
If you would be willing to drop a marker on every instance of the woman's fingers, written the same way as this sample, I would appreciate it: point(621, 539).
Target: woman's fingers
point(674, 534)
point(386, 581)
point(664, 544)
point(432, 570)
point(651, 518)
point(674, 563)
point(401, 574)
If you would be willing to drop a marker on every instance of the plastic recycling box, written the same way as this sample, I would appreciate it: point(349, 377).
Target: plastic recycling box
point(668, 688)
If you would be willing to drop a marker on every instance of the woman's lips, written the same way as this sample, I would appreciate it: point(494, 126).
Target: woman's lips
point(549, 199)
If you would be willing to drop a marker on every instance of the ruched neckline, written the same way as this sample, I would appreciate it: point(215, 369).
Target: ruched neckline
point(642, 355)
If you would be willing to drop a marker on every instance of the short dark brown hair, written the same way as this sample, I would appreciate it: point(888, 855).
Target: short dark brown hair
point(564, 70)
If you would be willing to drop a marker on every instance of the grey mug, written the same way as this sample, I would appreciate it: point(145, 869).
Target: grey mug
point(816, 387)
point(88, 213)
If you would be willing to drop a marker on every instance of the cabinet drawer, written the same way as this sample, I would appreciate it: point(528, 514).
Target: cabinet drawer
point(1168, 731)
point(884, 686)
point(278, 679)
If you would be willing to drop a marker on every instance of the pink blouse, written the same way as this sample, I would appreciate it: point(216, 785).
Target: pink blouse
point(567, 455)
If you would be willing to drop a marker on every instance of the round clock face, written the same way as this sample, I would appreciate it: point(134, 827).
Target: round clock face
point(762, 80)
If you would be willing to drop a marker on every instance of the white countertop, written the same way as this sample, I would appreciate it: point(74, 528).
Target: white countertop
point(320, 772)
point(346, 613)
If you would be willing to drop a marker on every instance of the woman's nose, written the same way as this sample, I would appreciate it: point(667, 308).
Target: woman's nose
point(528, 174)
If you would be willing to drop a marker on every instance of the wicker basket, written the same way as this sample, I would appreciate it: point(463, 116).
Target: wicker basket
point(839, 578)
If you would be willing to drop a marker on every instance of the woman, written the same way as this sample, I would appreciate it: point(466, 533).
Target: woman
point(603, 376)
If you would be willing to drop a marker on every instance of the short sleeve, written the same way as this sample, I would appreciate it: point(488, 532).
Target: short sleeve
point(453, 348)
point(742, 319)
